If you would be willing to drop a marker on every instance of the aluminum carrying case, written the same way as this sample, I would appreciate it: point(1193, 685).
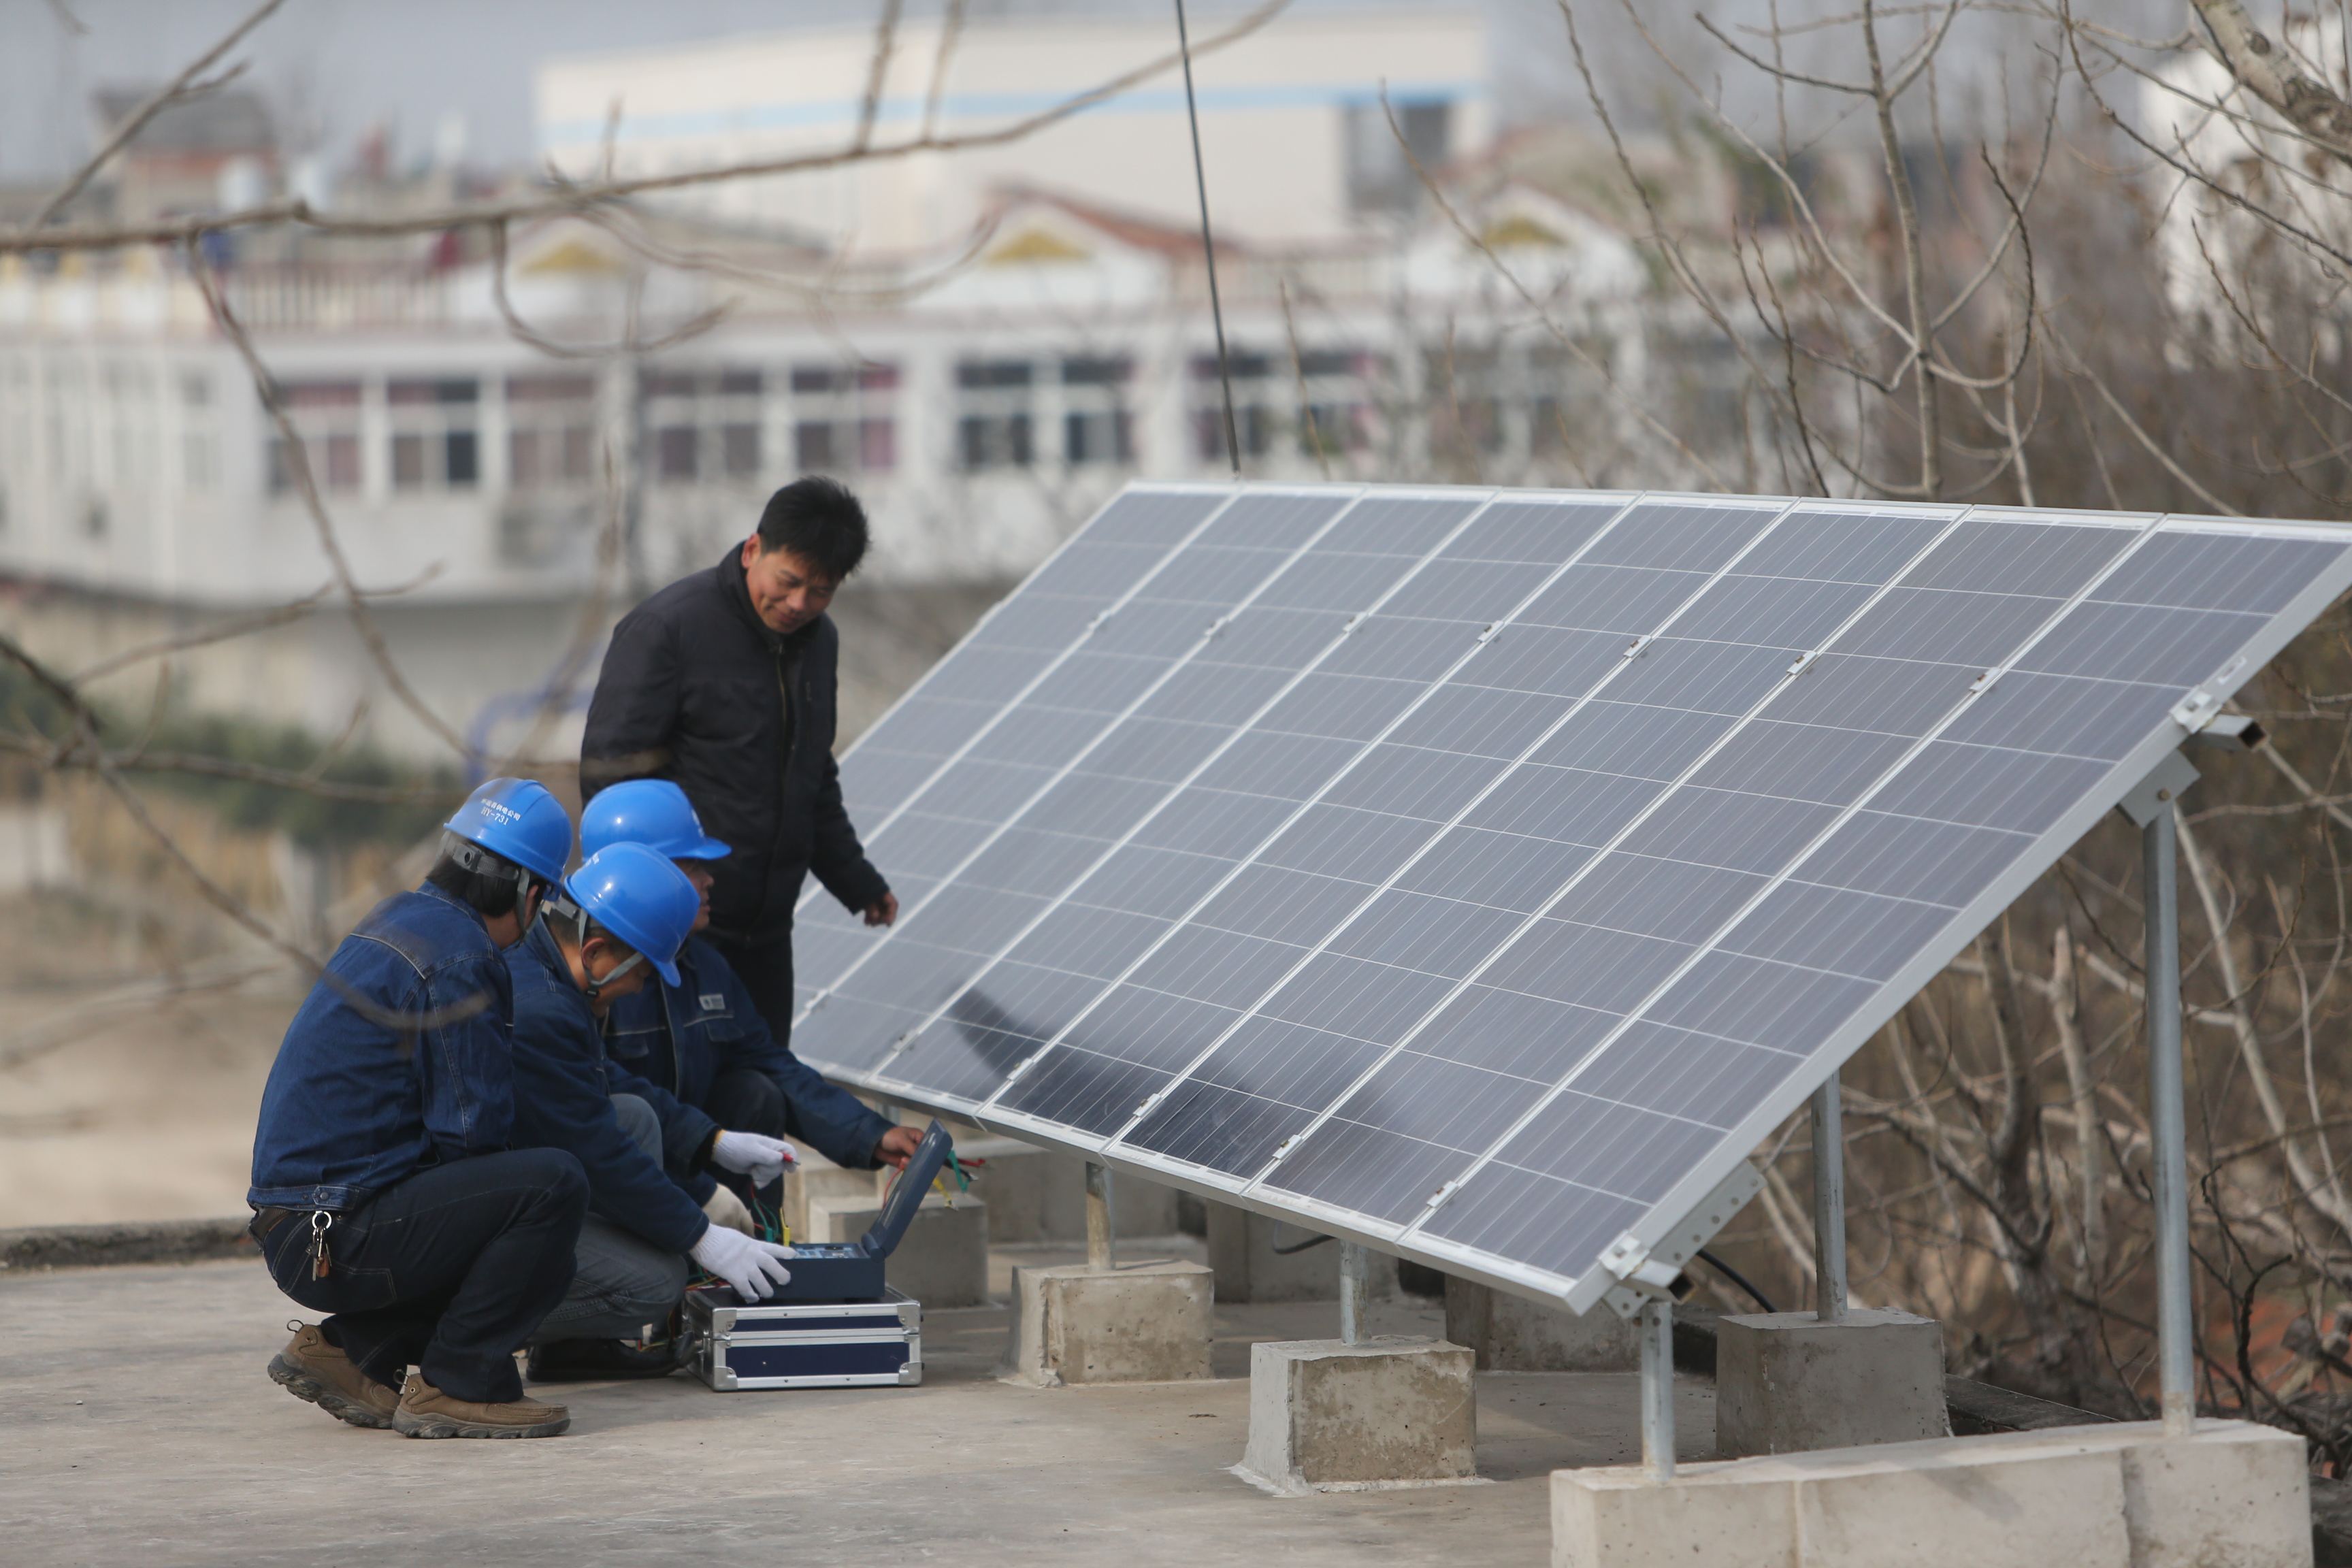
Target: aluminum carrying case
point(805, 1344)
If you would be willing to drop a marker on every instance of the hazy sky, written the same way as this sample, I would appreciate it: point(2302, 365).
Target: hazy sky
point(334, 67)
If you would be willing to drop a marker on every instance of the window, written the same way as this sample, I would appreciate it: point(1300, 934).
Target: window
point(995, 415)
point(131, 420)
point(1568, 400)
point(551, 431)
point(436, 434)
point(1381, 178)
point(1096, 427)
point(198, 469)
point(1466, 406)
point(1252, 374)
point(844, 418)
point(1337, 411)
point(705, 424)
point(326, 417)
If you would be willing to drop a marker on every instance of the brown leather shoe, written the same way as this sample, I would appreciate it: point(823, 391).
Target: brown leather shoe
point(427, 1411)
point(309, 1368)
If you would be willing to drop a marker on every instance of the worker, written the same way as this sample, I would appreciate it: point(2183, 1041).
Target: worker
point(386, 1190)
point(624, 913)
point(699, 1049)
point(723, 682)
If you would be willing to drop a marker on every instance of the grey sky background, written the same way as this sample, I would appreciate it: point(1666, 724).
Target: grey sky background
point(332, 69)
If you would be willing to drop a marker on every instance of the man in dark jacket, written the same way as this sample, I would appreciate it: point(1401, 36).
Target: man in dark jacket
point(723, 681)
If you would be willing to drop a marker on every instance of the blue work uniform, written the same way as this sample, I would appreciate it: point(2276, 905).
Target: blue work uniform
point(677, 1041)
point(382, 1165)
point(563, 1101)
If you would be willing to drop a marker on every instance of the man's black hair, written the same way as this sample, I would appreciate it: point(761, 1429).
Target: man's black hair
point(490, 891)
point(819, 521)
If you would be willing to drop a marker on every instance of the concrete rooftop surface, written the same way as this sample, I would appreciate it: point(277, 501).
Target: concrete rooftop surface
point(138, 1426)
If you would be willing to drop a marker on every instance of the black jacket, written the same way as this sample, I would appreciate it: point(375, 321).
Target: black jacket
point(696, 688)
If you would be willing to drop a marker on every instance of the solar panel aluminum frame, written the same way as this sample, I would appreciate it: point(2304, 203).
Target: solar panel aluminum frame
point(1723, 1196)
point(1669, 1227)
point(1583, 1291)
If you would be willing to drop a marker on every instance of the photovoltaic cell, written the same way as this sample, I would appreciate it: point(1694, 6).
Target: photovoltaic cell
point(1482, 873)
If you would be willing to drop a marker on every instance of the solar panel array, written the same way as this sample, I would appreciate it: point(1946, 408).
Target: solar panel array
point(1482, 874)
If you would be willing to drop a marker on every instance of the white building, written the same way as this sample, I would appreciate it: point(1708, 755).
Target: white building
point(1293, 135)
point(982, 399)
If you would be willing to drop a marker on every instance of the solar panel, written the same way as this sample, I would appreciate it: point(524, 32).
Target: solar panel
point(1482, 874)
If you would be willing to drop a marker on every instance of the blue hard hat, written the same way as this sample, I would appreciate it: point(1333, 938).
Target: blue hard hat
point(651, 812)
point(519, 820)
point(638, 896)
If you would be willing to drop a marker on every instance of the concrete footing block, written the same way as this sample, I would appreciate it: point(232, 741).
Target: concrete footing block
point(2234, 1494)
point(1242, 1250)
point(1787, 1381)
point(1152, 1324)
point(814, 1176)
point(1327, 1415)
point(1039, 1194)
point(1511, 1333)
point(942, 1260)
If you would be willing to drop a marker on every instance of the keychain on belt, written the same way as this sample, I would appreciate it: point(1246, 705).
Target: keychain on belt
point(321, 1264)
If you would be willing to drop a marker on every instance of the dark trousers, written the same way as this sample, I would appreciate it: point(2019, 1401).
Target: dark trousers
point(743, 1100)
point(623, 1286)
point(766, 970)
point(449, 1270)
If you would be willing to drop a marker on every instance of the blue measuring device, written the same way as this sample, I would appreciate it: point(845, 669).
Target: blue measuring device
point(852, 1270)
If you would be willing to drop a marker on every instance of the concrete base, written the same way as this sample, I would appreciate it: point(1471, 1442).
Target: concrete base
point(1511, 1333)
point(943, 1260)
point(814, 1176)
point(2121, 1496)
point(1039, 1194)
point(1787, 1381)
point(1146, 1324)
point(1327, 1416)
point(1241, 1251)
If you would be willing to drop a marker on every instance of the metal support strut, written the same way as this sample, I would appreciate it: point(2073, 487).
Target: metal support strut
point(1829, 1203)
point(1658, 1389)
point(2150, 808)
point(1353, 1271)
point(2167, 1117)
point(1102, 1242)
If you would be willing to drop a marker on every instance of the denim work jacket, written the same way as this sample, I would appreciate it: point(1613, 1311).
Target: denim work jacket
point(679, 1038)
point(356, 1104)
point(563, 1101)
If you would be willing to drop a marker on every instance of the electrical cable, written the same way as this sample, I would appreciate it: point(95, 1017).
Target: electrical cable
point(1737, 1278)
point(1208, 246)
point(1298, 1247)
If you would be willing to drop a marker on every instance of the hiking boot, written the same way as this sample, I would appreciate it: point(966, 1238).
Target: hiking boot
point(583, 1361)
point(309, 1368)
point(427, 1411)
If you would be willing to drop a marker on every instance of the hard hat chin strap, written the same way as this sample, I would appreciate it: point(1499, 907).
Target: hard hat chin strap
point(563, 908)
point(596, 987)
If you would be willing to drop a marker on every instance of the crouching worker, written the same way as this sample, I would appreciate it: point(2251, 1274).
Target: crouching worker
point(384, 1189)
point(627, 912)
point(704, 1055)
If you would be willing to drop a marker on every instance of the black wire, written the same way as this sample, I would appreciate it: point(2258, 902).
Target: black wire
point(1737, 1278)
point(1208, 246)
point(1299, 1247)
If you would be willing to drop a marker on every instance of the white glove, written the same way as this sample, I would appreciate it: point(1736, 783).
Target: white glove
point(754, 1154)
point(725, 1208)
point(754, 1267)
